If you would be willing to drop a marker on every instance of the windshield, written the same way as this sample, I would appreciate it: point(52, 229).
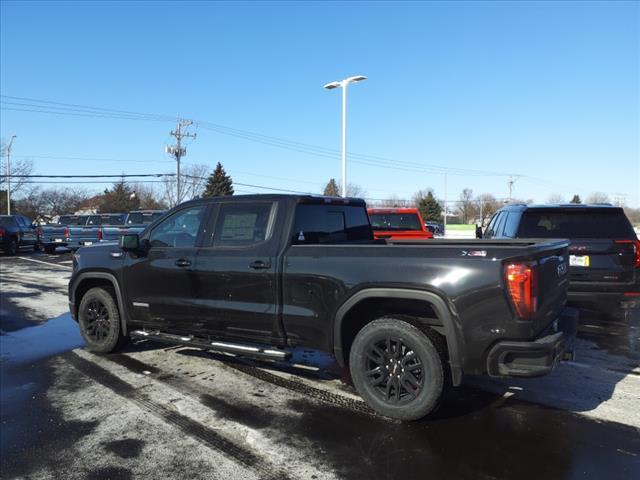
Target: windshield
point(7, 222)
point(576, 224)
point(72, 220)
point(395, 221)
point(140, 218)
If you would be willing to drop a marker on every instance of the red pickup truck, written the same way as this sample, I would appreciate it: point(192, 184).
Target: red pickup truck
point(398, 223)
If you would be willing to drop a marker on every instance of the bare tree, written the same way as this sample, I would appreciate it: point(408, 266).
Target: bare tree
point(61, 201)
point(395, 202)
point(19, 167)
point(150, 198)
point(467, 206)
point(487, 205)
point(193, 178)
point(598, 197)
point(353, 190)
point(555, 198)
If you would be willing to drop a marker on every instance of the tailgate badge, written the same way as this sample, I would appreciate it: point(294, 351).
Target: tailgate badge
point(562, 269)
point(474, 253)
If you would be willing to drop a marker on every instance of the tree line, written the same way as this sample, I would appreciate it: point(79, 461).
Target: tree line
point(40, 203)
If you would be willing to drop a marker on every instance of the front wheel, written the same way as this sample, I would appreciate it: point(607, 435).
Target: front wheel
point(397, 369)
point(99, 321)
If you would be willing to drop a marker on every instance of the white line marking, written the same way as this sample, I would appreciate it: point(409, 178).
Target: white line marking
point(46, 263)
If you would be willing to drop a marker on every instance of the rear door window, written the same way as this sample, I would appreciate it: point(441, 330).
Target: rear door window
point(244, 224)
point(576, 224)
point(315, 224)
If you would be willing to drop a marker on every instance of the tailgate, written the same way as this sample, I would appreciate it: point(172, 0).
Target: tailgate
point(552, 271)
point(602, 261)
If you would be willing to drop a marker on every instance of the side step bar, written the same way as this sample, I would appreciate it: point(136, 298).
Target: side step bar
point(191, 341)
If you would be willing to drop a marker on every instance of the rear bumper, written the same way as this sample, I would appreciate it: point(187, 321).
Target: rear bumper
point(537, 357)
point(605, 300)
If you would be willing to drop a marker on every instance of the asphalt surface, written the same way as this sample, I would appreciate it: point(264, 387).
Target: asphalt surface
point(157, 412)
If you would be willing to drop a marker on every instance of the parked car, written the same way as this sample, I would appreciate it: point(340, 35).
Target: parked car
point(436, 228)
point(398, 223)
point(17, 232)
point(604, 262)
point(259, 275)
point(135, 222)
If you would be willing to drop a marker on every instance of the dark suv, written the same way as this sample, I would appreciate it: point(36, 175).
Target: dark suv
point(604, 262)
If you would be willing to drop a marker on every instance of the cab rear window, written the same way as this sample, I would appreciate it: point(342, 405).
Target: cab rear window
point(575, 224)
point(315, 224)
point(395, 221)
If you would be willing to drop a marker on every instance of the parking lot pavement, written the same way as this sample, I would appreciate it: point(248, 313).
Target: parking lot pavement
point(157, 412)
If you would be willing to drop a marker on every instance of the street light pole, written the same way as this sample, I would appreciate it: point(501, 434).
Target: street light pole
point(343, 84)
point(9, 175)
point(344, 141)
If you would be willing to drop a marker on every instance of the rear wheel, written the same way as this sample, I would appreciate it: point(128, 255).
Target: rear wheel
point(12, 248)
point(99, 321)
point(397, 369)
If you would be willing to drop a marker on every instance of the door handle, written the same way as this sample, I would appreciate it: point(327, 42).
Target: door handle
point(183, 262)
point(259, 265)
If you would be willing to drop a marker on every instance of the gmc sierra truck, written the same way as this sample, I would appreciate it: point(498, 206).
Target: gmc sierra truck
point(260, 275)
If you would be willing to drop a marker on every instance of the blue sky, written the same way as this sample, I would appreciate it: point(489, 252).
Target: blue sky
point(547, 91)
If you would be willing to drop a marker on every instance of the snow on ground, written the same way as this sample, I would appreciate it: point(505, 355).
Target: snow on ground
point(597, 384)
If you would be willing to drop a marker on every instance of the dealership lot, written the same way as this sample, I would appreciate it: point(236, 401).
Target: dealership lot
point(168, 412)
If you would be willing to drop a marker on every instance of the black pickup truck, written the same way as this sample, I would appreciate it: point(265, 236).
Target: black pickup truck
point(259, 275)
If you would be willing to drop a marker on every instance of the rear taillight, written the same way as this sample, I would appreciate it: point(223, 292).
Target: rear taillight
point(66, 232)
point(522, 284)
point(99, 233)
point(1, 232)
point(636, 250)
point(39, 233)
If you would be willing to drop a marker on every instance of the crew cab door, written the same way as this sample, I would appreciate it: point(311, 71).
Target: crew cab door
point(158, 283)
point(236, 279)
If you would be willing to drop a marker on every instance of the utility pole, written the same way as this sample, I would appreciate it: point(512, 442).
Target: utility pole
point(9, 175)
point(510, 183)
point(445, 203)
point(178, 151)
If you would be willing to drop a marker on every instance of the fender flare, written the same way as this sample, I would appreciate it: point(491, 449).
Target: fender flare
point(452, 330)
point(104, 276)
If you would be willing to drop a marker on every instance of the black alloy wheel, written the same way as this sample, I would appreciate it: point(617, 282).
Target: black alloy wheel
point(99, 320)
point(398, 368)
point(394, 370)
point(97, 323)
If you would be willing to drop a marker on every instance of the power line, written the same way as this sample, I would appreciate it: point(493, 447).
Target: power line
point(91, 176)
point(90, 159)
point(309, 149)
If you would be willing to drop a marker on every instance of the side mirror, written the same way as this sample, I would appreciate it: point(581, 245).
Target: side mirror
point(478, 232)
point(130, 242)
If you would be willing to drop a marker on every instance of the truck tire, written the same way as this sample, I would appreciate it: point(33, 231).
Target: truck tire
point(12, 248)
point(50, 249)
point(397, 369)
point(99, 321)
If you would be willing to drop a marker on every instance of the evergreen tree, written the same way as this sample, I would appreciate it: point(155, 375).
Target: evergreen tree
point(331, 190)
point(120, 199)
point(429, 207)
point(219, 183)
point(576, 199)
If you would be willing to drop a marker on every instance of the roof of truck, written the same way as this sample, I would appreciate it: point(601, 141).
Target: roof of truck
point(317, 199)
